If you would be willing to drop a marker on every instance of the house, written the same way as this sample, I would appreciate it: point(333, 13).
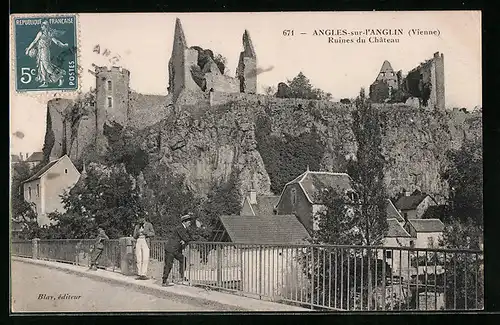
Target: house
point(261, 229)
point(302, 196)
point(393, 212)
point(396, 236)
point(34, 159)
point(414, 206)
point(258, 205)
point(45, 187)
point(426, 232)
point(263, 270)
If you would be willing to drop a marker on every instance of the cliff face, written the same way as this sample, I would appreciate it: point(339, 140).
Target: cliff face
point(207, 143)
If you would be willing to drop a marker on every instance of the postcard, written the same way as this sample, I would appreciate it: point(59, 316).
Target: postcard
point(260, 161)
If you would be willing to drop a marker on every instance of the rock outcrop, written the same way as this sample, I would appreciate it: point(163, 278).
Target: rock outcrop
point(207, 143)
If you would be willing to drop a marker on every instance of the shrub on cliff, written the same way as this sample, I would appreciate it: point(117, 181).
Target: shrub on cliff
point(301, 87)
point(286, 157)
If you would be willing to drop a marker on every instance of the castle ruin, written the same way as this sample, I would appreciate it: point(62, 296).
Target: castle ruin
point(193, 71)
point(425, 82)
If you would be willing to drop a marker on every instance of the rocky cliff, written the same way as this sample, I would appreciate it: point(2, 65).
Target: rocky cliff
point(208, 142)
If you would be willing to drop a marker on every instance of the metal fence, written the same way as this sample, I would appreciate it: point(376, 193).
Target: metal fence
point(352, 278)
point(71, 251)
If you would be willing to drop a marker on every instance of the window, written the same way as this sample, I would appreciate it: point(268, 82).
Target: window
point(29, 193)
point(388, 254)
point(65, 171)
point(38, 190)
point(294, 196)
point(430, 242)
point(412, 243)
point(110, 87)
point(110, 102)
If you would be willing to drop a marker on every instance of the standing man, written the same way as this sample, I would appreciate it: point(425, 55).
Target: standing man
point(98, 248)
point(143, 232)
point(174, 246)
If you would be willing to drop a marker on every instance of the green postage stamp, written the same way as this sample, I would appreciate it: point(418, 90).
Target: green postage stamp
point(46, 53)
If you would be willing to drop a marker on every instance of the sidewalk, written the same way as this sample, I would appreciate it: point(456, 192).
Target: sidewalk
point(233, 302)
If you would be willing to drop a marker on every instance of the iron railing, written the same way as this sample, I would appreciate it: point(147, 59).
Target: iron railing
point(323, 277)
point(72, 251)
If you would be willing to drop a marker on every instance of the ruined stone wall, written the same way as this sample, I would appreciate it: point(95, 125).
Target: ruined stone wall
point(56, 111)
point(431, 73)
point(147, 110)
point(222, 83)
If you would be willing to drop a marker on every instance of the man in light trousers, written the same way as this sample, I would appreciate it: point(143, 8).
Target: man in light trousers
point(143, 232)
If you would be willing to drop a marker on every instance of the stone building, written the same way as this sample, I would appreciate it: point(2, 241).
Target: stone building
point(194, 71)
point(44, 189)
point(301, 196)
point(424, 82)
point(385, 84)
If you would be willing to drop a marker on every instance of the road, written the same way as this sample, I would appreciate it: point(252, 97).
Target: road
point(40, 289)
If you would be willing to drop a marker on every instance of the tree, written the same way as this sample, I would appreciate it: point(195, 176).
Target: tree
point(465, 179)
point(367, 171)
point(22, 212)
point(356, 220)
point(223, 199)
point(166, 198)
point(106, 196)
point(464, 277)
point(301, 87)
point(270, 90)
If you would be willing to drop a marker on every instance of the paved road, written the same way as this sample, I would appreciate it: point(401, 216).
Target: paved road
point(33, 286)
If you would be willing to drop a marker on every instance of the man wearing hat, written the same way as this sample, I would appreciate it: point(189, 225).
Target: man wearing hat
point(174, 246)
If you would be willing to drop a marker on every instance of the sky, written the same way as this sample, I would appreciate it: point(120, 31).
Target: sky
point(144, 44)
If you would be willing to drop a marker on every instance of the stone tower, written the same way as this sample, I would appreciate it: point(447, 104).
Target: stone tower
point(111, 99)
point(179, 73)
point(438, 90)
point(388, 75)
point(247, 66)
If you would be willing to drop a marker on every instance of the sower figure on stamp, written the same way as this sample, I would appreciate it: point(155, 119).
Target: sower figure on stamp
point(174, 246)
point(143, 232)
point(47, 71)
point(98, 248)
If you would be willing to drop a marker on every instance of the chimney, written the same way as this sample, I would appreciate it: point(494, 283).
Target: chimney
point(253, 194)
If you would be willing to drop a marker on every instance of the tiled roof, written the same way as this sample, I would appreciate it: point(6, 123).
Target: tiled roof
point(265, 205)
point(427, 225)
point(409, 202)
point(395, 229)
point(35, 157)
point(313, 182)
point(41, 171)
point(392, 212)
point(269, 229)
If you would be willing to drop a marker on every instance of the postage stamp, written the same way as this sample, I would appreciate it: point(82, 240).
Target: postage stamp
point(46, 53)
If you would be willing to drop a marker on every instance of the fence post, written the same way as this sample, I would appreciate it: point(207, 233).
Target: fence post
point(312, 277)
point(35, 245)
point(260, 272)
point(219, 266)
